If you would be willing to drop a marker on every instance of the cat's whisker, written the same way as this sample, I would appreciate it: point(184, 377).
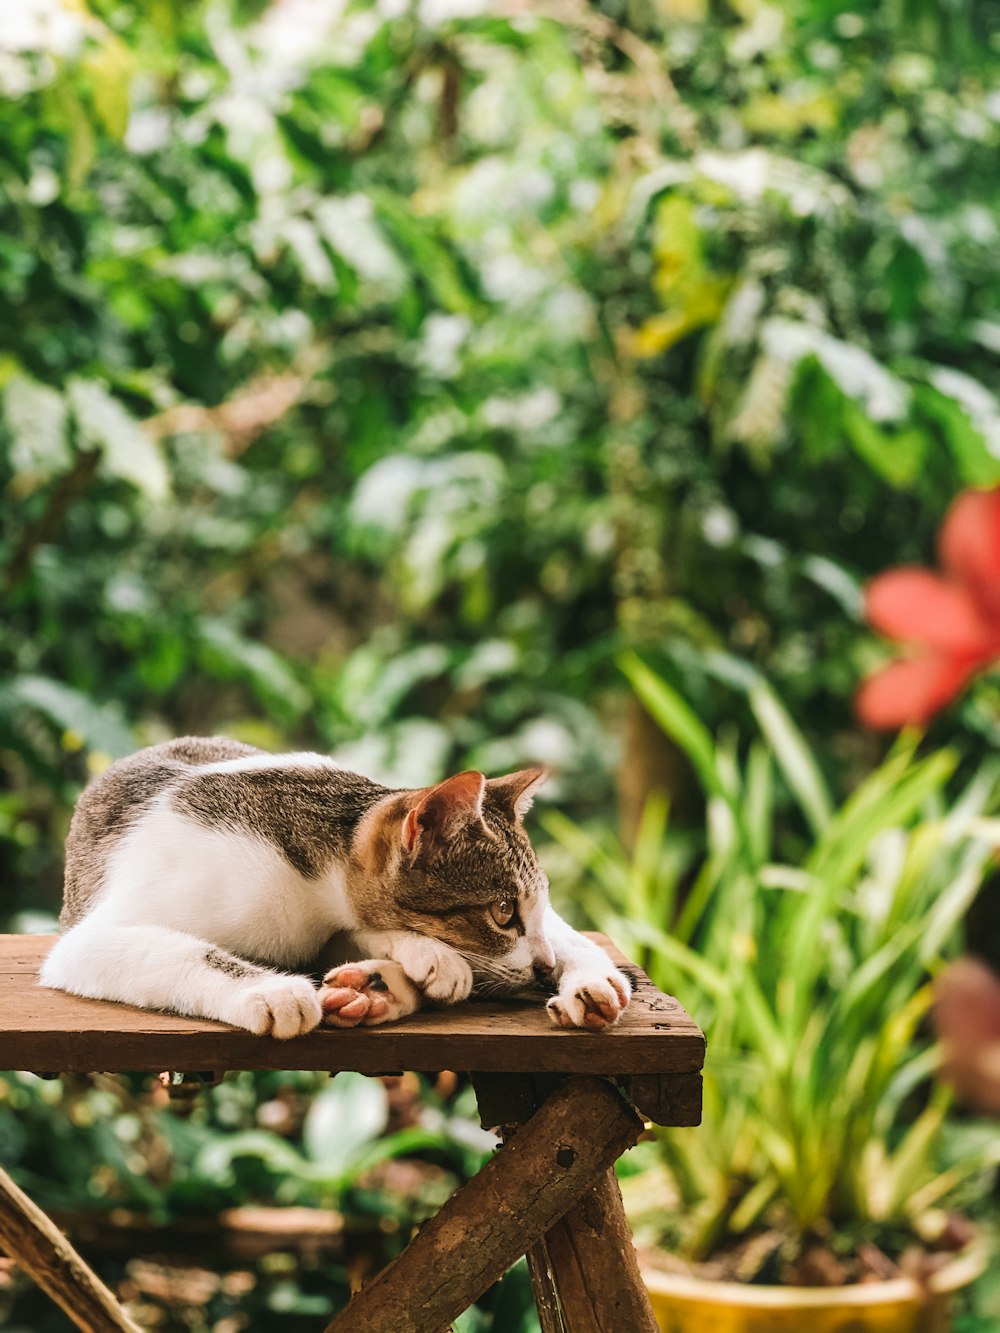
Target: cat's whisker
point(493, 976)
point(487, 964)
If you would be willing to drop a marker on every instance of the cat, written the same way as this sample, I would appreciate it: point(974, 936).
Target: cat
point(198, 872)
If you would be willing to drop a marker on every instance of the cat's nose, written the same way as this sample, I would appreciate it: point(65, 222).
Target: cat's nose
point(543, 971)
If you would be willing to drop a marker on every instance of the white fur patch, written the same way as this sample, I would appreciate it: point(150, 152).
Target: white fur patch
point(173, 889)
point(229, 887)
point(436, 968)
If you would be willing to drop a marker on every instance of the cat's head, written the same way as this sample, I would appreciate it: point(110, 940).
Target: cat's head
point(454, 862)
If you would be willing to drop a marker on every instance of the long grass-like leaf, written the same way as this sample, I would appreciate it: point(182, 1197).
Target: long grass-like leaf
point(700, 895)
point(587, 851)
point(841, 854)
point(679, 722)
point(907, 1168)
point(794, 756)
point(766, 1036)
point(948, 911)
point(758, 803)
point(647, 858)
point(807, 966)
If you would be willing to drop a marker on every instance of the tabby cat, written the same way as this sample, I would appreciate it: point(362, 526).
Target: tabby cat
point(201, 873)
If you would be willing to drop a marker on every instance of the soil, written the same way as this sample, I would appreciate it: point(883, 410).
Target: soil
point(773, 1257)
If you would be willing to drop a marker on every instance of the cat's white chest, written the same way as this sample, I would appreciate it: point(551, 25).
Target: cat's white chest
point(224, 885)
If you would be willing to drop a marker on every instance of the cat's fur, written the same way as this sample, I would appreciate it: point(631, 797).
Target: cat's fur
point(199, 871)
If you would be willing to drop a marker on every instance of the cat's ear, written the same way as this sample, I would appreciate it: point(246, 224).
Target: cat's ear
point(516, 791)
point(442, 811)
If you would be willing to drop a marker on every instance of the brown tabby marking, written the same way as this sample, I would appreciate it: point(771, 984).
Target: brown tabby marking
point(231, 966)
point(115, 800)
point(449, 887)
point(309, 814)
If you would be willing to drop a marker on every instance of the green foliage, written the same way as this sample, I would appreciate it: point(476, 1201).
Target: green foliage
point(802, 936)
point(96, 1146)
point(805, 400)
point(371, 377)
point(382, 380)
point(110, 1146)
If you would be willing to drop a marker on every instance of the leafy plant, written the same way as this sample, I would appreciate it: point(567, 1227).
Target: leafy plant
point(456, 350)
point(108, 1153)
point(803, 940)
point(369, 381)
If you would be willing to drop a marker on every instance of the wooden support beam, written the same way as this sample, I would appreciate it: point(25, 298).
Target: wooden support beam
point(665, 1099)
point(543, 1284)
point(584, 1269)
point(508, 1100)
point(568, 1143)
point(41, 1249)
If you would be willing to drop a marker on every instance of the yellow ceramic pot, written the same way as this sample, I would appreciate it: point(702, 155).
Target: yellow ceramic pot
point(695, 1305)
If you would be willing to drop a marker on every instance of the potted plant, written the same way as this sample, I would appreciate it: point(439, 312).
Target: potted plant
point(803, 943)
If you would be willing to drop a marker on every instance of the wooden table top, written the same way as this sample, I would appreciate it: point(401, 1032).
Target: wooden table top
point(48, 1031)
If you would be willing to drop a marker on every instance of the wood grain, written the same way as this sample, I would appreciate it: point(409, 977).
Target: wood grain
point(522, 1191)
point(665, 1099)
point(48, 1031)
point(43, 1251)
point(586, 1268)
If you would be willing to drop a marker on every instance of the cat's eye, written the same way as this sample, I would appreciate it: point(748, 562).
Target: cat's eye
point(502, 912)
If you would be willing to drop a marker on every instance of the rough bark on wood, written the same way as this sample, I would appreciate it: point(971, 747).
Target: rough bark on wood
point(505, 1102)
point(543, 1284)
point(517, 1196)
point(590, 1262)
point(40, 1248)
point(584, 1270)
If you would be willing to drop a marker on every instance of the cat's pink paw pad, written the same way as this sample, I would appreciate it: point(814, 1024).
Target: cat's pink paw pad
point(349, 1007)
point(365, 994)
point(594, 1002)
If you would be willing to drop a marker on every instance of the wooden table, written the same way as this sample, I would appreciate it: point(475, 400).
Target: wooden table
point(564, 1102)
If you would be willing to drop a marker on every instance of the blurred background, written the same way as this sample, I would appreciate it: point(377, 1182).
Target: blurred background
point(449, 384)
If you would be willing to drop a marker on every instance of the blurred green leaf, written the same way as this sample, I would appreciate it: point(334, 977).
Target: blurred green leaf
point(103, 423)
point(347, 1116)
point(36, 418)
point(230, 655)
point(100, 726)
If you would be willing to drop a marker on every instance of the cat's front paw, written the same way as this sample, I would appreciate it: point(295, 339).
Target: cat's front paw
point(281, 1007)
point(376, 991)
point(595, 997)
point(437, 969)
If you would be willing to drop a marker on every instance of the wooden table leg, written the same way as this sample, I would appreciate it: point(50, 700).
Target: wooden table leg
point(592, 1266)
point(525, 1188)
point(41, 1249)
point(543, 1284)
point(584, 1270)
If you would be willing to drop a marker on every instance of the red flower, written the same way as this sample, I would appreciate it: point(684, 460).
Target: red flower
point(952, 618)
